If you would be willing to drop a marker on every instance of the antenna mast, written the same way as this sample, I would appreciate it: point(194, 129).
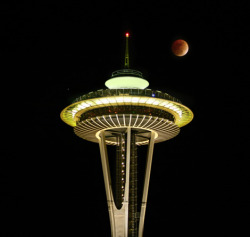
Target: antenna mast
point(126, 53)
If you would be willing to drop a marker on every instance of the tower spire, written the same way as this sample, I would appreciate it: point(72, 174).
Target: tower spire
point(126, 64)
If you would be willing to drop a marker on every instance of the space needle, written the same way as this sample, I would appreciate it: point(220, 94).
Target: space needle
point(124, 116)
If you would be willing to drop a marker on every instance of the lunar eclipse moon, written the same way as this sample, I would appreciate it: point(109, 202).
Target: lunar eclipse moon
point(180, 47)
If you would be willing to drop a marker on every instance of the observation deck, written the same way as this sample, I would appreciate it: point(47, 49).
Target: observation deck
point(109, 109)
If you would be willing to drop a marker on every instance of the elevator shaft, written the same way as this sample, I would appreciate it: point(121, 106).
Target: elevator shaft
point(133, 180)
point(133, 189)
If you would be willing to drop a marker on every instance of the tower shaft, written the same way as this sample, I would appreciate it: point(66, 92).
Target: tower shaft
point(126, 220)
point(133, 189)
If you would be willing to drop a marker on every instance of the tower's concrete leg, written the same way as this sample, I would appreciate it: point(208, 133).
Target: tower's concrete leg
point(107, 181)
point(146, 183)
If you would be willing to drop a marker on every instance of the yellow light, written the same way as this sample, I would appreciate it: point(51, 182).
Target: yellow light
point(163, 103)
point(99, 102)
point(150, 101)
point(135, 99)
point(142, 100)
point(111, 100)
point(127, 99)
point(156, 102)
point(120, 99)
point(182, 114)
point(104, 100)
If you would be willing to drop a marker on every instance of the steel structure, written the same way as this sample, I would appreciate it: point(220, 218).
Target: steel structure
point(126, 115)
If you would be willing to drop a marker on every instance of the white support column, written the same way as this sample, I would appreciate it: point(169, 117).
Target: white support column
point(146, 183)
point(107, 181)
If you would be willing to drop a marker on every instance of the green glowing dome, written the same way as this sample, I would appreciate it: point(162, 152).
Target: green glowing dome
point(127, 79)
point(126, 83)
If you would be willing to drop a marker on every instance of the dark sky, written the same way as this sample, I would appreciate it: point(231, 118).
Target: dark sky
point(51, 181)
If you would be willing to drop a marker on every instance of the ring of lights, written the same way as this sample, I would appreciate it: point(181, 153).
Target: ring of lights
point(72, 113)
point(89, 129)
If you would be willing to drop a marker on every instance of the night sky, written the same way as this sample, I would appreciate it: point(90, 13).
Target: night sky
point(51, 181)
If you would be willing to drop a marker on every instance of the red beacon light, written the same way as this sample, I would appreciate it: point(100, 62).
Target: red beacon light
point(127, 34)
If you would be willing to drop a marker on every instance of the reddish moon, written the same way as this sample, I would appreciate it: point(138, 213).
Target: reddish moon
point(180, 47)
